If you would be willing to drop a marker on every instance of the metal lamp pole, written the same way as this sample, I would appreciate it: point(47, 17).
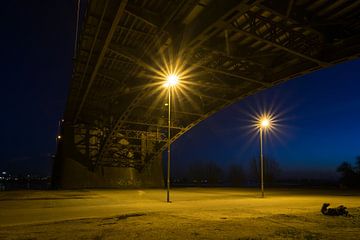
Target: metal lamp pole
point(171, 81)
point(169, 139)
point(261, 162)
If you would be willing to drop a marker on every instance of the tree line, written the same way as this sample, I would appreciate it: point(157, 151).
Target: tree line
point(350, 175)
point(210, 172)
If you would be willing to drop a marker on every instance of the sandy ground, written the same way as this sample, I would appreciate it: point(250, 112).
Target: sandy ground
point(195, 213)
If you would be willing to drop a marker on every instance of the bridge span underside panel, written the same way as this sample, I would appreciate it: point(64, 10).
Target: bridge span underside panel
point(115, 121)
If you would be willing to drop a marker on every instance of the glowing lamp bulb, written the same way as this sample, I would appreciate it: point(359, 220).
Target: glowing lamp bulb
point(265, 123)
point(171, 80)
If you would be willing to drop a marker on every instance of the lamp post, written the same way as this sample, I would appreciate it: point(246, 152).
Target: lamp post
point(171, 81)
point(263, 125)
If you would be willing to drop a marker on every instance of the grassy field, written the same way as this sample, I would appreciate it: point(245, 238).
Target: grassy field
point(195, 213)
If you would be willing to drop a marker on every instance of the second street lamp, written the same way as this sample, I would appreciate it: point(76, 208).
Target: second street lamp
point(171, 81)
point(264, 124)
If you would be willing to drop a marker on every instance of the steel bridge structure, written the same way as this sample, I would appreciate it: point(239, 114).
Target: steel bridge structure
point(115, 122)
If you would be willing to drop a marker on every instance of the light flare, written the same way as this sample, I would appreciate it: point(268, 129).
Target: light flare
point(264, 123)
point(171, 80)
point(172, 71)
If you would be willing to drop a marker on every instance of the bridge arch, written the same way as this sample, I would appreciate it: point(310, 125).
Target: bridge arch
point(114, 127)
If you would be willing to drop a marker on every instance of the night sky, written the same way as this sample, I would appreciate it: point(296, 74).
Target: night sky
point(318, 113)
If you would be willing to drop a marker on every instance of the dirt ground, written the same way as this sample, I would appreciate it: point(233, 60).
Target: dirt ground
point(195, 213)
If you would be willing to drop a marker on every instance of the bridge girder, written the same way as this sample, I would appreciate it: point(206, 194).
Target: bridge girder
point(233, 48)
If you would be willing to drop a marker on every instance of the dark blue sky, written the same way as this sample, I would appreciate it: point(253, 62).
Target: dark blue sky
point(36, 63)
point(320, 112)
point(318, 125)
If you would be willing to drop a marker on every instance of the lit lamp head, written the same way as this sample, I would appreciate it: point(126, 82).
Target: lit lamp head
point(171, 80)
point(264, 123)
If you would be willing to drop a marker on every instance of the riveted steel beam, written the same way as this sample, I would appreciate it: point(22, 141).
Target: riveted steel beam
point(100, 59)
point(151, 124)
point(145, 15)
point(215, 17)
point(291, 41)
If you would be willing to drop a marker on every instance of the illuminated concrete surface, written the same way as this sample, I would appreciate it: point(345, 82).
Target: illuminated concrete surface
point(195, 213)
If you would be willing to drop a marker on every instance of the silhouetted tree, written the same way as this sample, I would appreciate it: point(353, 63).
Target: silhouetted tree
point(357, 165)
point(209, 172)
point(214, 172)
point(235, 175)
point(349, 176)
point(272, 169)
point(196, 172)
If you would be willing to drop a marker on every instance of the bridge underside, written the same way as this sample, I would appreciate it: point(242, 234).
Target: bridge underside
point(115, 122)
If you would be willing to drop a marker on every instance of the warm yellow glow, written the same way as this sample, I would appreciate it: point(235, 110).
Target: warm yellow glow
point(171, 80)
point(59, 137)
point(172, 71)
point(272, 126)
point(265, 123)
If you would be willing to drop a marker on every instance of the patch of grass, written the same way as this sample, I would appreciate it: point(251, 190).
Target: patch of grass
point(250, 238)
point(121, 217)
point(99, 237)
point(287, 232)
point(293, 233)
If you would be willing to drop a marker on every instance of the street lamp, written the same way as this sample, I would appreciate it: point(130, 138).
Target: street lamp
point(171, 81)
point(264, 123)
